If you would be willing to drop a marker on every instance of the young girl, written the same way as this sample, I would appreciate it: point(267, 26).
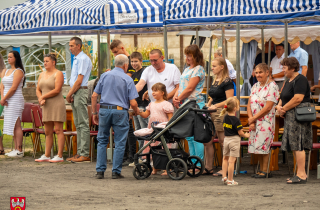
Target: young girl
point(232, 131)
point(159, 111)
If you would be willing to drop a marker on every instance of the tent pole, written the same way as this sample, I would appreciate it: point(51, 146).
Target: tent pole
point(223, 42)
point(197, 36)
point(108, 50)
point(209, 69)
point(262, 45)
point(286, 39)
point(50, 42)
point(238, 80)
point(165, 39)
point(98, 47)
point(269, 53)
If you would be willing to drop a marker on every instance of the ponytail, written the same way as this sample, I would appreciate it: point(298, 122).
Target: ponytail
point(223, 111)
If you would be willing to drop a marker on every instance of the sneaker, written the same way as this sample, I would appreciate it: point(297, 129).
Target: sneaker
point(132, 164)
point(127, 162)
point(17, 153)
point(99, 175)
point(56, 159)
point(13, 151)
point(74, 157)
point(43, 158)
point(81, 159)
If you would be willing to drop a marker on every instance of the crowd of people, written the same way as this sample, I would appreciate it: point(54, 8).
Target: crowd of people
point(154, 93)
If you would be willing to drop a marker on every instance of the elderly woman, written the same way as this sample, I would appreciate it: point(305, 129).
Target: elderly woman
point(297, 136)
point(190, 87)
point(220, 90)
point(261, 112)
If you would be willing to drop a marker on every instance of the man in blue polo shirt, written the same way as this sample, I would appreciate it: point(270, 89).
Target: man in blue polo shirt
point(118, 93)
point(301, 55)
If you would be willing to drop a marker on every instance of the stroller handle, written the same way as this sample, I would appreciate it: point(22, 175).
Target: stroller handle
point(203, 110)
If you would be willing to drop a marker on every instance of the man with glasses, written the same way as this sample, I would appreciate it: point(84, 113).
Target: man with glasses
point(159, 71)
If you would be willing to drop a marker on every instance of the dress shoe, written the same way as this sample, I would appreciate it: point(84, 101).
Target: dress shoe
point(115, 175)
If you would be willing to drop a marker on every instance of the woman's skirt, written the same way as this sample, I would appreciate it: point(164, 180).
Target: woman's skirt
point(297, 136)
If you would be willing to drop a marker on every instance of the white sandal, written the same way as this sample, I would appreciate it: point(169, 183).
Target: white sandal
point(224, 180)
point(231, 182)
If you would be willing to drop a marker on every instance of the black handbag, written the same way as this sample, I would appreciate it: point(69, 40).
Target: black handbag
point(203, 128)
point(305, 114)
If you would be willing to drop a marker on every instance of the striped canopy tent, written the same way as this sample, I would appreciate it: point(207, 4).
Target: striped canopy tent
point(180, 12)
point(79, 16)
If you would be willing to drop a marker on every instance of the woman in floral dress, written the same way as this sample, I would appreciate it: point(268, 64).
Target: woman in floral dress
point(261, 112)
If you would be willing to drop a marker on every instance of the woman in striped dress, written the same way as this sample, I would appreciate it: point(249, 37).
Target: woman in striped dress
point(12, 98)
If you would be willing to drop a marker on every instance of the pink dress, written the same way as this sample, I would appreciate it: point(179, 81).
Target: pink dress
point(158, 113)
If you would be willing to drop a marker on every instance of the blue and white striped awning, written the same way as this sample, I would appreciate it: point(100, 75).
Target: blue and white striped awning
point(78, 15)
point(135, 13)
point(178, 12)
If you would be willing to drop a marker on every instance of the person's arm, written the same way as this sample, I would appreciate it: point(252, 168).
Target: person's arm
point(242, 134)
point(229, 93)
point(1, 85)
point(76, 86)
point(140, 85)
point(94, 98)
point(304, 70)
point(265, 110)
point(17, 77)
point(209, 102)
point(134, 106)
point(189, 89)
point(171, 94)
point(169, 115)
point(313, 88)
point(252, 126)
point(145, 114)
point(295, 101)
point(59, 80)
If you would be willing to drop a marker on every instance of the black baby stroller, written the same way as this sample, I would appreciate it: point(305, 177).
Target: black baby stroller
point(176, 162)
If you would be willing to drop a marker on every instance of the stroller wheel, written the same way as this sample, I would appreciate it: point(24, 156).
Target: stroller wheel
point(176, 169)
point(195, 166)
point(141, 171)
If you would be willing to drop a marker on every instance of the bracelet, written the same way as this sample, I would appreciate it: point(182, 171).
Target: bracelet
point(94, 113)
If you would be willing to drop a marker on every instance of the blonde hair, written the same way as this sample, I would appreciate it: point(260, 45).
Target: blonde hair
point(225, 72)
point(231, 103)
point(219, 51)
point(161, 87)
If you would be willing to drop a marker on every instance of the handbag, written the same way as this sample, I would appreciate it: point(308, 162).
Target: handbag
point(203, 128)
point(305, 114)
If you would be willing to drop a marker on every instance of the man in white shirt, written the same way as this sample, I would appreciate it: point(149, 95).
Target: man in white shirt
point(276, 67)
point(159, 71)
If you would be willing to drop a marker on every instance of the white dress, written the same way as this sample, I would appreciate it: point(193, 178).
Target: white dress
point(15, 104)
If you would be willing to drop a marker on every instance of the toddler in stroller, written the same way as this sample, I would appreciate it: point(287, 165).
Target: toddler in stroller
point(176, 162)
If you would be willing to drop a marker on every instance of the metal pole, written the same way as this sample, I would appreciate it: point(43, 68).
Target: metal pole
point(245, 68)
point(238, 79)
point(99, 60)
point(223, 43)
point(50, 42)
point(108, 50)
point(269, 53)
point(209, 70)
point(165, 42)
point(262, 46)
point(286, 39)
point(197, 36)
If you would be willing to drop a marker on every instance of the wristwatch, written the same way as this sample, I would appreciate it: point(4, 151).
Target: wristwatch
point(94, 113)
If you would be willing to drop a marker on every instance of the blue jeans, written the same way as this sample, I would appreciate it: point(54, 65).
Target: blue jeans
point(140, 122)
point(119, 120)
point(196, 148)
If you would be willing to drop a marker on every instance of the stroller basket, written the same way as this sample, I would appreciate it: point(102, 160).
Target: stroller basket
point(160, 158)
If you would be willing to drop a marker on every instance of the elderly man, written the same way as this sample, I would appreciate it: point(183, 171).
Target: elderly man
point(118, 93)
point(78, 97)
point(301, 55)
point(276, 67)
point(159, 71)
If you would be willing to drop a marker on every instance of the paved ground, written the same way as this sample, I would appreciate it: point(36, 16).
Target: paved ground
point(73, 186)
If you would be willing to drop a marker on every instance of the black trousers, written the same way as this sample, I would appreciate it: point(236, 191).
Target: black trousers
point(131, 143)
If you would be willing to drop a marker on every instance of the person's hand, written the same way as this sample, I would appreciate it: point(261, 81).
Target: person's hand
point(137, 111)
point(42, 102)
point(96, 119)
point(246, 135)
point(251, 120)
point(212, 107)
point(145, 96)
point(313, 88)
point(108, 70)
point(176, 102)
point(282, 112)
point(68, 98)
point(3, 102)
point(252, 126)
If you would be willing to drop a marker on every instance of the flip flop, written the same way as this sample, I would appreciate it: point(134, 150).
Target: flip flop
point(217, 174)
point(207, 172)
point(297, 180)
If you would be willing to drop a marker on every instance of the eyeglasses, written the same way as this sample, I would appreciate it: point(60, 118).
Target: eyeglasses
point(154, 60)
